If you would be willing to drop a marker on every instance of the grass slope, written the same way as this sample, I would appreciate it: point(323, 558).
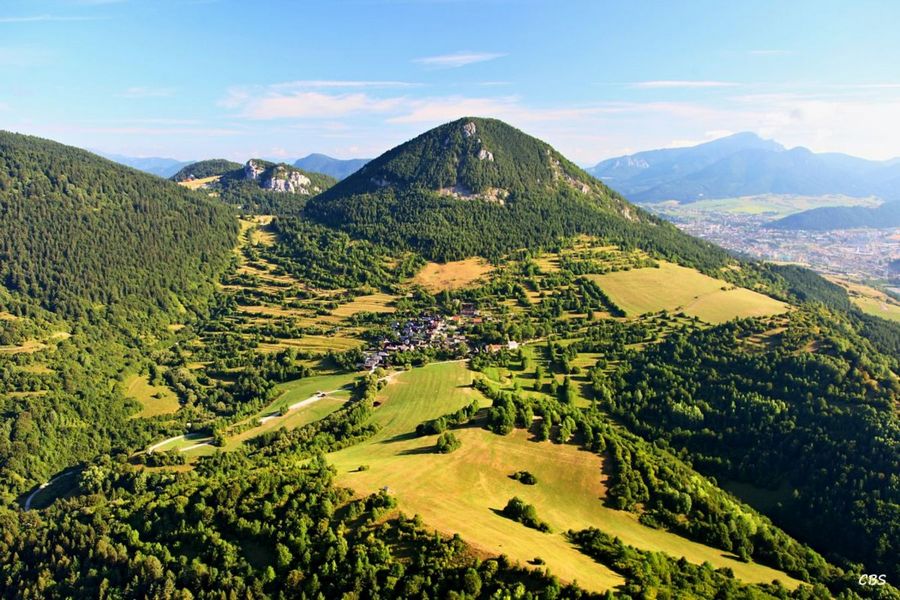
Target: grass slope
point(454, 275)
point(155, 400)
point(464, 491)
point(679, 289)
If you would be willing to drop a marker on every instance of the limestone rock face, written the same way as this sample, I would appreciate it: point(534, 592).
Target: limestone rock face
point(469, 129)
point(485, 155)
point(252, 170)
point(278, 178)
point(282, 180)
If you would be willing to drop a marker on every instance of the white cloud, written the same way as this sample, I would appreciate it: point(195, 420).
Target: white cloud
point(680, 83)
point(308, 105)
point(146, 92)
point(457, 59)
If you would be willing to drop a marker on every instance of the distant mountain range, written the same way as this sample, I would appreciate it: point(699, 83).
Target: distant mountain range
point(745, 165)
point(326, 165)
point(167, 167)
point(163, 167)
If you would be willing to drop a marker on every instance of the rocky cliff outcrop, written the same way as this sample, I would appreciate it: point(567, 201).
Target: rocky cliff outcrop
point(279, 178)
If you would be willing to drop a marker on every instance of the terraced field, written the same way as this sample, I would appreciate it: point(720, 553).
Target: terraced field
point(314, 321)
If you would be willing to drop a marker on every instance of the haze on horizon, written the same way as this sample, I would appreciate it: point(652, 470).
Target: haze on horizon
point(216, 78)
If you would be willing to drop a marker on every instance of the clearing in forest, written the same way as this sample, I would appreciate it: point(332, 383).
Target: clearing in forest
point(463, 492)
point(678, 289)
point(196, 184)
point(870, 300)
point(455, 275)
point(155, 399)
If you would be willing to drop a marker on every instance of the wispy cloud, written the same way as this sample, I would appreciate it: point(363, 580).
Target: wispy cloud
point(457, 59)
point(48, 18)
point(681, 83)
point(305, 105)
point(146, 92)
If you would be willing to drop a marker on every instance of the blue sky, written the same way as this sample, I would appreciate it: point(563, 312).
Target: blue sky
point(194, 79)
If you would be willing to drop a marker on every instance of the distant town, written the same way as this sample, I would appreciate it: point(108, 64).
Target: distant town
point(858, 254)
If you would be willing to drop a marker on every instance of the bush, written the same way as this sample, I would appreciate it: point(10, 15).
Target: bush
point(517, 510)
point(524, 477)
point(447, 443)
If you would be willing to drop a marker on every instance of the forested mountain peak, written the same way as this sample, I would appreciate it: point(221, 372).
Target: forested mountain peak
point(471, 158)
point(478, 186)
point(212, 167)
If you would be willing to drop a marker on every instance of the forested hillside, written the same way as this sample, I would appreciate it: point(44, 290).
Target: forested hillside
point(822, 424)
point(212, 167)
point(258, 187)
point(96, 259)
point(81, 232)
point(480, 187)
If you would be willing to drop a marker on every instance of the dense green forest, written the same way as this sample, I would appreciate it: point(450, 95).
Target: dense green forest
point(330, 259)
point(97, 258)
point(213, 167)
point(822, 424)
point(81, 232)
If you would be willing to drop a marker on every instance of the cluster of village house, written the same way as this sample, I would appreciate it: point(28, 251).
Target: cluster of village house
point(442, 333)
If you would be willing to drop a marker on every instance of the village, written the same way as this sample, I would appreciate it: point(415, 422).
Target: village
point(434, 332)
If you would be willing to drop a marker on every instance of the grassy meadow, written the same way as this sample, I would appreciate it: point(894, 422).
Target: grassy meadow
point(154, 399)
point(463, 492)
point(454, 275)
point(678, 289)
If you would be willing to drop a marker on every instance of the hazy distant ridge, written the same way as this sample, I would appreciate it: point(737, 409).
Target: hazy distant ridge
point(745, 164)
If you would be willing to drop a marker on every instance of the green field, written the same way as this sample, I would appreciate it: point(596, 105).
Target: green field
point(461, 492)
point(301, 389)
point(155, 399)
point(880, 308)
point(679, 289)
point(295, 418)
